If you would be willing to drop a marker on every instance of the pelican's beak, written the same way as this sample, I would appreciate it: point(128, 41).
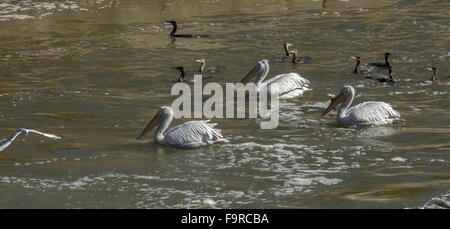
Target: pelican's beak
point(429, 69)
point(353, 57)
point(154, 122)
point(198, 61)
point(288, 44)
point(334, 102)
point(252, 73)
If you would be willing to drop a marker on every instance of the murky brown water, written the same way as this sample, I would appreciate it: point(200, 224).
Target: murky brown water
point(96, 72)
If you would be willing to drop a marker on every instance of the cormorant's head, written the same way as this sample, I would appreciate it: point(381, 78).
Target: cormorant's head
point(433, 69)
point(201, 60)
point(179, 68)
point(356, 58)
point(294, 52)
point(287, 44)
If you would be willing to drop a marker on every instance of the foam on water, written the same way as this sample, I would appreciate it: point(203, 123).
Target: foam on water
point(28, 9)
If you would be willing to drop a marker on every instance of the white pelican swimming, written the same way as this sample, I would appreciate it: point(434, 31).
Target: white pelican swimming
point(363, 114)
point(5, 143)
point(187, 135)
point(289, 85)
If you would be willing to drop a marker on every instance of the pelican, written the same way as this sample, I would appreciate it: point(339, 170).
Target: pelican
point(190, 134)
point(287, 52)
point(209, 69)
point(362, 69)
point(5, 143)
point(437, 201)
point(363, 114)
point(382, 65)
point(289, 85)
point(183, 78)
point(298, 58)
point(174, 30)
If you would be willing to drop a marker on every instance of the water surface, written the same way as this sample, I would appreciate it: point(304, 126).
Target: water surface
point(97, 71)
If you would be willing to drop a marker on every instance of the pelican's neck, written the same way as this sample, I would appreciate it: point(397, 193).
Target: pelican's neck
point(202, 67)
point(159, 136)
point(356, 70)
point(344, 106)
point(286, 49)
point(260, 78)
point(174, 29)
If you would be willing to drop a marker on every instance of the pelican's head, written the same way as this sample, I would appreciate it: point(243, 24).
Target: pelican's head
point(201, 60)
point(257, 70)
point(162, 113)
point(345, 92)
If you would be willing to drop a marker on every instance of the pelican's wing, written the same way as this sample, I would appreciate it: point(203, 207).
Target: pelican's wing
point(372, 113)
point(5, 143)
point(193, 134)
point(437, 201)
point(289, 83)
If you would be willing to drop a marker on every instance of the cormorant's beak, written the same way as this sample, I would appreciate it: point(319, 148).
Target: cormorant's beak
point(154, 122)
point(334, 102)
point(199, 61)
point(429, 69)
point(353, 57)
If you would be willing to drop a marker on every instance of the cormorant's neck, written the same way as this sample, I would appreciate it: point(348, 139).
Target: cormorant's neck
point(294, 58)
point(174, 29)
point(356, 67)
point(286, 49)
point(182, 75)
point(434, 77)
point(202, 67)
point(386, 58)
